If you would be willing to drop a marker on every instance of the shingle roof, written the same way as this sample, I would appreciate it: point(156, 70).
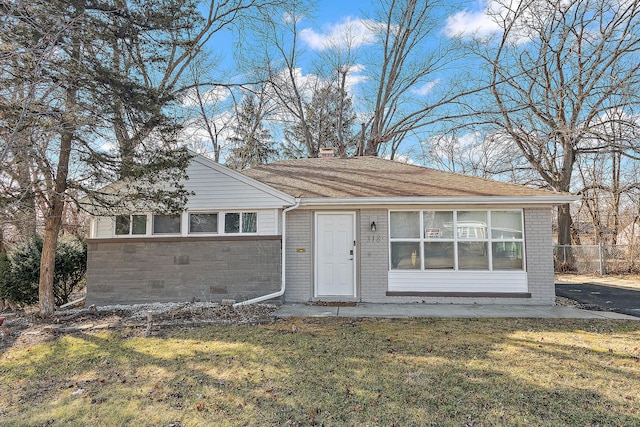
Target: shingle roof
point(375, 177)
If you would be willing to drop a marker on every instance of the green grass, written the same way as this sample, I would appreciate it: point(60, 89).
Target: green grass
point(332, 372)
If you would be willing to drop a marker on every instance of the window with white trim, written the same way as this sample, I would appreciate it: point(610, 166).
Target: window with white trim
point(456, 240)
point(203, 222)
point(127, 225)
point(240, 222)
point(167, 224)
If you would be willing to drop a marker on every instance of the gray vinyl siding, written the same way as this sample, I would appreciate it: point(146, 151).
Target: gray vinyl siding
point(219, 189)
point(103, 226)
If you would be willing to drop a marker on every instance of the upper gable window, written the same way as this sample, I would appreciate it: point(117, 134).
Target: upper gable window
point(131, 225)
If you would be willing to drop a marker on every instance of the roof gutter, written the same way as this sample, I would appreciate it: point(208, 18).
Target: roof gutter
point(442, 200)
point(283, 263)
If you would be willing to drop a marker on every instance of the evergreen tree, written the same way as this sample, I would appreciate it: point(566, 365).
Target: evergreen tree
point(330, 120)
point(62, 59)
point(251, 141)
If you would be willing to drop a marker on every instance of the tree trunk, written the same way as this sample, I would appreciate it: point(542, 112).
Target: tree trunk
point(371, 149)
point(565, 260)
point(2, 245)
point(47, 265)
point(564, 225)
point(53, 218)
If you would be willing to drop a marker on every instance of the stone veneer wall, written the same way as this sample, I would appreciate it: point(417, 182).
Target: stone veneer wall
point(129, 271)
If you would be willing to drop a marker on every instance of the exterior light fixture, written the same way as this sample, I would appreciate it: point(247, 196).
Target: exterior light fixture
point(373, 226)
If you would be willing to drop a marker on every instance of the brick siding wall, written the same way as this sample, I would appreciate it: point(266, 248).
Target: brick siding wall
point(373, 261)
point(126, 271)
point(539, 252)
point(299, 253)
point(539, 259)
point(374, 255)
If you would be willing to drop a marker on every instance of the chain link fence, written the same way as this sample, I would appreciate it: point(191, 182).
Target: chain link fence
point(597, 259)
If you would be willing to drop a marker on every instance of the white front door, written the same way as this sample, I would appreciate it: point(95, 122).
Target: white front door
point(335, 254)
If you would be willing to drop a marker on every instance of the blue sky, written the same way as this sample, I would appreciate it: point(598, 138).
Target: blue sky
point(334, 19)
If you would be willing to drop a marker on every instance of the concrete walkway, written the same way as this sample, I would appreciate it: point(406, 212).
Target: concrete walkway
point(445, 310)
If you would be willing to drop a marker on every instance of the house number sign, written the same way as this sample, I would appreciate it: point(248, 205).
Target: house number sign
point(374, 239)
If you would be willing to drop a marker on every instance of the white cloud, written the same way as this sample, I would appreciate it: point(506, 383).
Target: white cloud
point(304, 82)
point(522, 18)
point(426, 88)
point(471, 25)
point(195, 136)
point(351, 32)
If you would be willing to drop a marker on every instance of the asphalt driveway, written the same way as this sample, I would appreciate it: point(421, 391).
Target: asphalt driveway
point(611, 298)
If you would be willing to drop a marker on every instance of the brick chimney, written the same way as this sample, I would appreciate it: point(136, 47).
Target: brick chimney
point(327, 152)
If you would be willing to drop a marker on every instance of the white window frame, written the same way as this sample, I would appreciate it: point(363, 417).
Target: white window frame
point(178, 233)
point(223, 224)
point(203, 233)
point(488, 240)
point(129, 234)
point(185, 225)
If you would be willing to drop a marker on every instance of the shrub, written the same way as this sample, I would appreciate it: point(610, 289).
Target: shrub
point(70, 269)
point(5, 274)
point(20, 285)
point(21, 275)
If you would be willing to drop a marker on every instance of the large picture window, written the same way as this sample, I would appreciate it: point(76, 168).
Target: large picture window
point(456, 240)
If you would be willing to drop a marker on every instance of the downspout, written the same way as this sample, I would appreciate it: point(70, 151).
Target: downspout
point(283, 262)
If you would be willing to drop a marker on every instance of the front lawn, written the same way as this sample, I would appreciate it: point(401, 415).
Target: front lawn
point(331, 371)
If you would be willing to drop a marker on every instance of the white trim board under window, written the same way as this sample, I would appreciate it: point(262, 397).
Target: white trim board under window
point(456, 240)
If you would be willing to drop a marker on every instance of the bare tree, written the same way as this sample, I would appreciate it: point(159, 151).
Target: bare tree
point(608, 177)
point(406, 69)
point(279, 36)
point(555, 71)
point(473, 153)
point(207, 108)
point(178, 34)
